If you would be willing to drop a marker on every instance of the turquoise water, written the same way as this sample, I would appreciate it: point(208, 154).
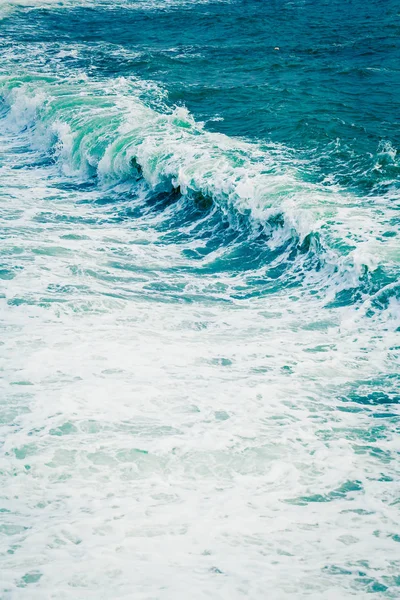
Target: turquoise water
point(200, 300)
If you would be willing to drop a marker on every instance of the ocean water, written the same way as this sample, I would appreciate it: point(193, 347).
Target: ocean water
point(199, 299)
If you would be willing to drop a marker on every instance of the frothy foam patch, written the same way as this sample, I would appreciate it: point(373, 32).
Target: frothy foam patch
point(209, 437)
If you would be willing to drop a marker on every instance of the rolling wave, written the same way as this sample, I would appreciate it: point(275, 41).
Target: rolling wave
point(109, 134)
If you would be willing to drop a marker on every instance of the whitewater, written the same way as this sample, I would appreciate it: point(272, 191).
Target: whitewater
point(199, 302)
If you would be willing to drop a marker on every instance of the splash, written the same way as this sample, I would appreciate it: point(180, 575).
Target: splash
point(111, 134)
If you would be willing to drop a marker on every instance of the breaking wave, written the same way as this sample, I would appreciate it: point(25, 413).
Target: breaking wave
point(113, 136)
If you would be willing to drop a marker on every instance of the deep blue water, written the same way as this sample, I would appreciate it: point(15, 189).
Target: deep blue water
point(330, 90)
point(199, 271)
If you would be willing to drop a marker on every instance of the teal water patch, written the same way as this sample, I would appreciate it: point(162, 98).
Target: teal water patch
point(342, 492)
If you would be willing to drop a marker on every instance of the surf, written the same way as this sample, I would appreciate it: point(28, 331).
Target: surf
point(111, 135)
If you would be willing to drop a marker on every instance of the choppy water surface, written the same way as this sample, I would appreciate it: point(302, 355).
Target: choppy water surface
point(200, 306)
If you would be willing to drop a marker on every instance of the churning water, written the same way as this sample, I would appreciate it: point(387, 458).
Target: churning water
point(199, 299)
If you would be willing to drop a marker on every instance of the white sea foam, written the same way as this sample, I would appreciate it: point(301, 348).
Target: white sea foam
point(161, 437)
point(161, 447)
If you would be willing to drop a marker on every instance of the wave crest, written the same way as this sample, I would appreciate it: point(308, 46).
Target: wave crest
point(109, 133)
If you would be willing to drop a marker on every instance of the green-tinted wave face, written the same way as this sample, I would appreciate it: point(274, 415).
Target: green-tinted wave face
point(199, 299)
